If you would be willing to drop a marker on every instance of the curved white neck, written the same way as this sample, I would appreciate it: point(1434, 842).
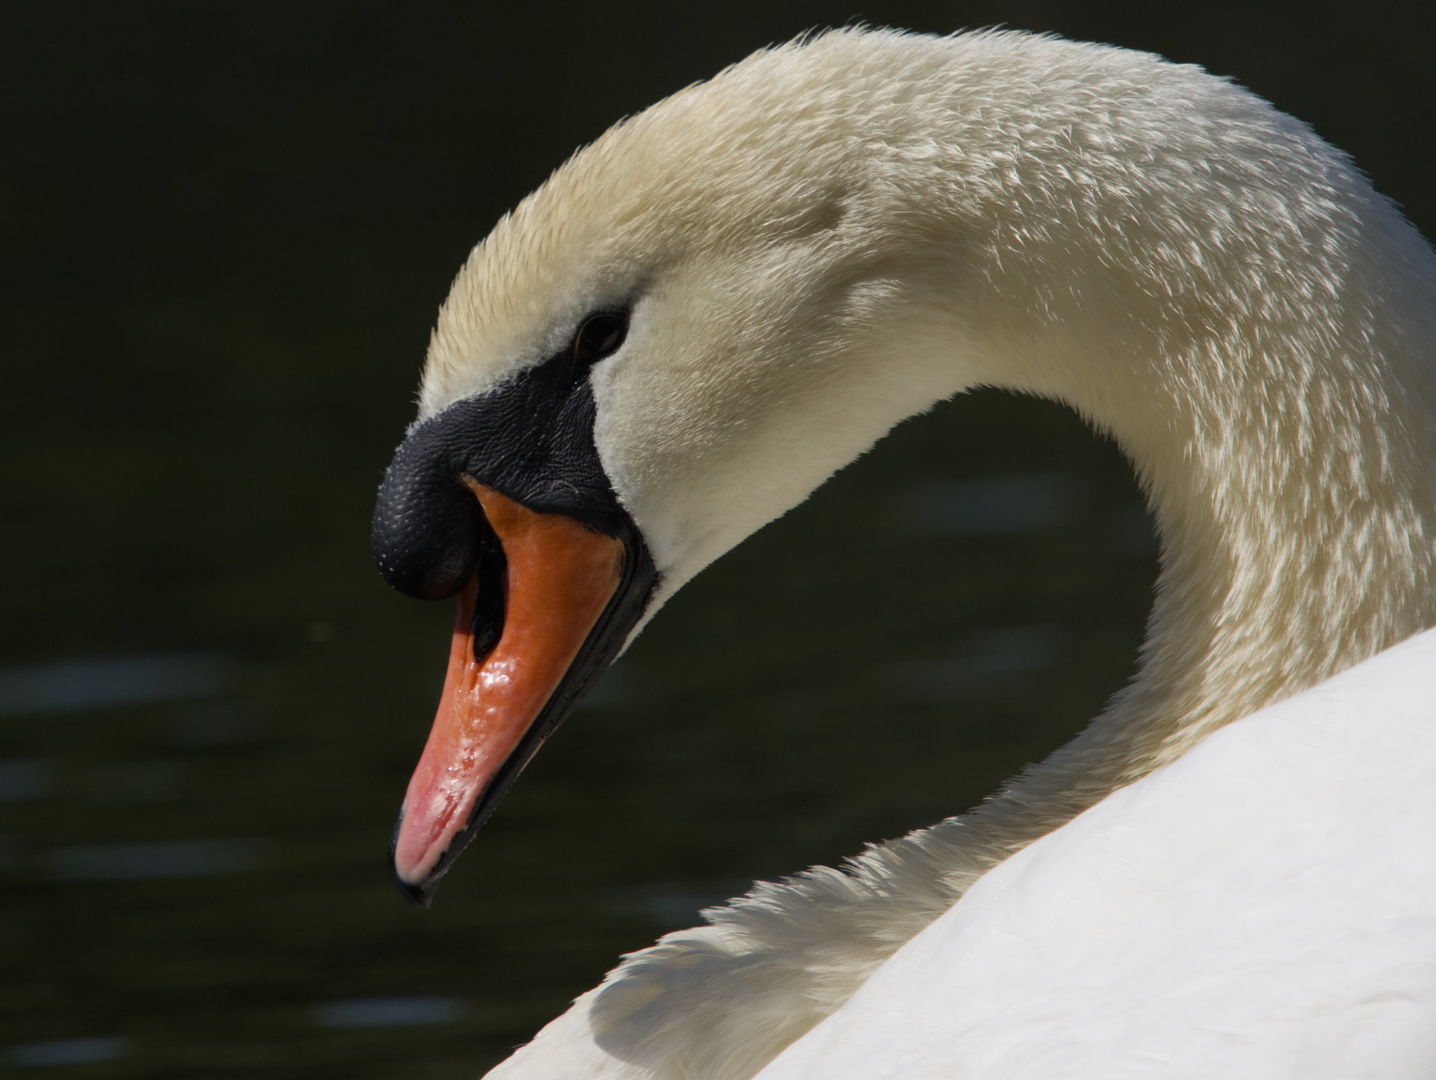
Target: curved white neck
point(1283, 431)
point(1197, 274)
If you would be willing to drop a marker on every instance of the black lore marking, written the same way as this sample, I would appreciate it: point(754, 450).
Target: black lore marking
point(530, 439)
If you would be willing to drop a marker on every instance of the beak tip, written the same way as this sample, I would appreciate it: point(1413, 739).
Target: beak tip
point(419, 893)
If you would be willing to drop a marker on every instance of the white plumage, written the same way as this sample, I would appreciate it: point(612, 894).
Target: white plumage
point(1261, 908)
point(829, 237)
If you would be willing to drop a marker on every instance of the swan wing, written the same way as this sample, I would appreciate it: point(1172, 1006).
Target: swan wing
point(1264, 907)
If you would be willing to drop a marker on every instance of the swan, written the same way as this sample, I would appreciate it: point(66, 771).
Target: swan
point(728, 297)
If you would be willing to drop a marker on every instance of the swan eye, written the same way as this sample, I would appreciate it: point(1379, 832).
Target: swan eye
point(600, 336)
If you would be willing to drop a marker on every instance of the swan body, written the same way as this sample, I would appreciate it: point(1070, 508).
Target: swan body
point(828, 237)
point(1236, 914)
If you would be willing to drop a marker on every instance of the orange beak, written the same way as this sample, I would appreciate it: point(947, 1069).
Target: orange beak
point(561, 576)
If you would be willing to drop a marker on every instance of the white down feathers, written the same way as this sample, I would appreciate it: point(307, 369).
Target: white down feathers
point(834, 234)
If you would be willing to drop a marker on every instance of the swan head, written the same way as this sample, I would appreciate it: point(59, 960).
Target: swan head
point(746, 246)
point(728, 297)
point(655, 354)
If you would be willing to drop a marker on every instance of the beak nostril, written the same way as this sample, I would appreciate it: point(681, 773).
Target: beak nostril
point(492, 599)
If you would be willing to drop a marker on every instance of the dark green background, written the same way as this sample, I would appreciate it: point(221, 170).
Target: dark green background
point(227, 227)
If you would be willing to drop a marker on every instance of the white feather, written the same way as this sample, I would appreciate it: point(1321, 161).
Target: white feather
point(1260, 909)
point(836, 233)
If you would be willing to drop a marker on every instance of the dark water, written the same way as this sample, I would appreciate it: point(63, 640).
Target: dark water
point(227, 228)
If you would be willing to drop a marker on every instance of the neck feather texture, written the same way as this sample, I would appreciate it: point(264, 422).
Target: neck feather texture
point(1224, 294)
